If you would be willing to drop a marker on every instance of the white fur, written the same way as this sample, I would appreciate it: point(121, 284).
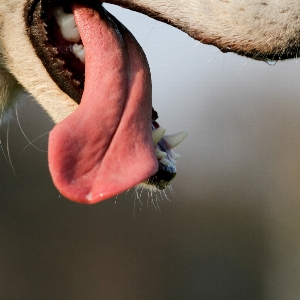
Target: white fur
point(18, 58)
point(249, 27)
point(257, 26)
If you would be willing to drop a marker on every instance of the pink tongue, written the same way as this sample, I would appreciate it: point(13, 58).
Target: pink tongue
point(105, 147)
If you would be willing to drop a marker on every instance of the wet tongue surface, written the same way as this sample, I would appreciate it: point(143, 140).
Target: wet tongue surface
point(105, 146)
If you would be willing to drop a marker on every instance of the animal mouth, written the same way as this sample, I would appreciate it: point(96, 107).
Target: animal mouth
point(112, 141)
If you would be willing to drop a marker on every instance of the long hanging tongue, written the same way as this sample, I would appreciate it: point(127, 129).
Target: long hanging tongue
point(105, 147)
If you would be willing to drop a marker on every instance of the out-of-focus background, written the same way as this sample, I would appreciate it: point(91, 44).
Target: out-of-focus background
point(228, 229)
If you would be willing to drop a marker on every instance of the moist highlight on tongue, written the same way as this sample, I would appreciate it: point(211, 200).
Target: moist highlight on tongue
point(105, 147)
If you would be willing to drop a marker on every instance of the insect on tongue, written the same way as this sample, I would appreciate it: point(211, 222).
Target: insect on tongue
point(105, 146)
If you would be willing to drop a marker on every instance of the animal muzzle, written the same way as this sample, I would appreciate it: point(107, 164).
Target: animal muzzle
point(112, 141)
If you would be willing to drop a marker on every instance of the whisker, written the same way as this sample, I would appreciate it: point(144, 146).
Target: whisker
point(30, 143)
point(7, 149)
point(155, 203)
point(165, 195)
point(155, 22)
point(1, 144)
point(170, 188)
point(198, 43)
point(154, 197)
point(115, 203)
point(137, 196)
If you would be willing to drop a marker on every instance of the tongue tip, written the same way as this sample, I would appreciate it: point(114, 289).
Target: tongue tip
point(88, 198)
point(80, 191)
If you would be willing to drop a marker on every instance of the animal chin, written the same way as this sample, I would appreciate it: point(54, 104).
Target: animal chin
point(112, 142)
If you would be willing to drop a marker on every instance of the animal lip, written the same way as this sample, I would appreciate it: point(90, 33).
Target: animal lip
point(105, 146)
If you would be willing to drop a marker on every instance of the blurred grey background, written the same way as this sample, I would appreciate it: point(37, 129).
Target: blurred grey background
point(230, 229)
